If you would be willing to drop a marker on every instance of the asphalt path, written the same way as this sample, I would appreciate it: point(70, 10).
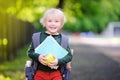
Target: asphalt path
point(92, 62)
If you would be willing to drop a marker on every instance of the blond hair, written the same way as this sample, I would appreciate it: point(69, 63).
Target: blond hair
point(52, 11)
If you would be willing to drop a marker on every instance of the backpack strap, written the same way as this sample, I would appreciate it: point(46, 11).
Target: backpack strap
point(64, 41)
point(36, 39)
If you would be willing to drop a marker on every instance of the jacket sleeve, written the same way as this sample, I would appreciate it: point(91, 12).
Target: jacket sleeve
point(67, 58)
point(31, 53)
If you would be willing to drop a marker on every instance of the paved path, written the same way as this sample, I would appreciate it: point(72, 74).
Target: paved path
point(92, 62)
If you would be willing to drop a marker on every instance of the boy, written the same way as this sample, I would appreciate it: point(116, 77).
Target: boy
point(53, 21)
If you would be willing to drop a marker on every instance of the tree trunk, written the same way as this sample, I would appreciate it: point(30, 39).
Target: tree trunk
point(61, 4)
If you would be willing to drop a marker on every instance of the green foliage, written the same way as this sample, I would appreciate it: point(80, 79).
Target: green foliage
point(82, 15)
point(92, 15)
point(30, 10)
point(14, 70)
point(2, 77)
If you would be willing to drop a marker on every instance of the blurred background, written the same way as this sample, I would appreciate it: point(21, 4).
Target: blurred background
point(91, 22)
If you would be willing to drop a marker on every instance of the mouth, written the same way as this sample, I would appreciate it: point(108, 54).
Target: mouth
point(52, 28)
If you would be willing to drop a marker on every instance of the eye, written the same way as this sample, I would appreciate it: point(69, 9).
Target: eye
point(56, 21)
point(49, 20)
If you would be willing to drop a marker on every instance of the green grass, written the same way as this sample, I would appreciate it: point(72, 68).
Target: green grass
point(15, 69)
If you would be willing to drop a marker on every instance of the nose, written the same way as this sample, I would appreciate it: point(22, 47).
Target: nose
point(53, 23)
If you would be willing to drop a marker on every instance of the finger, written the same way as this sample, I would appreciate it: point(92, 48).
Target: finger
point(44, 63)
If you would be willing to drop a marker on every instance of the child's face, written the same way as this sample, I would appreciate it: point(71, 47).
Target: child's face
point(53, 23)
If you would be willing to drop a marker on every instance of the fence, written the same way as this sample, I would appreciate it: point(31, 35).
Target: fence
point(13, 35)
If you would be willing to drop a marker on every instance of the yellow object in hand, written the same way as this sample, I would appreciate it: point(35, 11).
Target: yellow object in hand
point(49, 58)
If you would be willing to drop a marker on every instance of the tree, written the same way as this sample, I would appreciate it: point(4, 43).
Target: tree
point(61, 4)
point(82, 16)
point(92, 15)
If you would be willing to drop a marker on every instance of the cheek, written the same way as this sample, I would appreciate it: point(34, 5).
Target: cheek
point(62, 23)
point(60, 27)
point(47, 24)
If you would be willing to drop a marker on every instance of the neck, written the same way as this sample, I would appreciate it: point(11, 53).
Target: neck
point(52, 33)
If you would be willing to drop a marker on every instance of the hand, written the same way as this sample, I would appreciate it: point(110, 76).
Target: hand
point(69, 66)
point(53, 63)
point(42, 59)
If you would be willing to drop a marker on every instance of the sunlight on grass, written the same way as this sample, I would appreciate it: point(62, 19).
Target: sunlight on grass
point(2, 77)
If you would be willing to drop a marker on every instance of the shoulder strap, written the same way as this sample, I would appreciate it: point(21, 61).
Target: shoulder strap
point(36, 39)
point(64, 41)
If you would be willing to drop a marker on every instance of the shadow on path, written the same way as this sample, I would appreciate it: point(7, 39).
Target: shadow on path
point(89, 63)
